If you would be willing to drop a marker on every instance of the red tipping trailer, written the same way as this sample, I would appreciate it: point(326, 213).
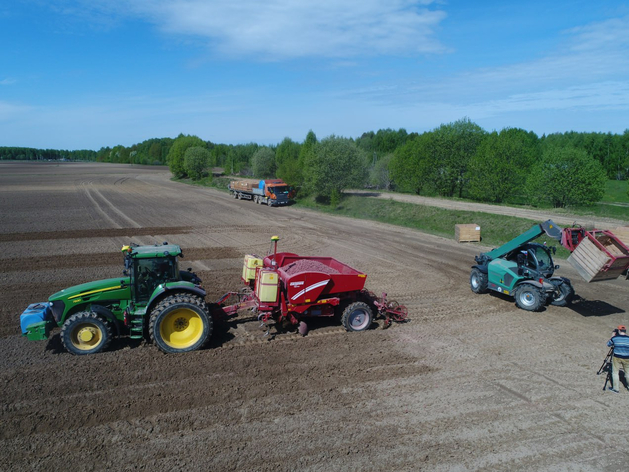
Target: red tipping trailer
point(288, 287)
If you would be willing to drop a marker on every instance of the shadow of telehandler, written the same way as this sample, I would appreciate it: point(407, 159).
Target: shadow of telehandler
point(586, 307)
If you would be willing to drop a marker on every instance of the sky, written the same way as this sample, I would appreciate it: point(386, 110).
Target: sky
point(86, 74)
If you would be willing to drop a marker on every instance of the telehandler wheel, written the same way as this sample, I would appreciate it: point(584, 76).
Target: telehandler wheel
point(529, 297)
point(566, 294)
point(478, 281)
point(85, 333)
point(357, 317)
point(180, 323)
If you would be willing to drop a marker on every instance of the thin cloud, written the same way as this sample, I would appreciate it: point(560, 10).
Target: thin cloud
point(9, 111)
point(287, 29)
point(585, 71)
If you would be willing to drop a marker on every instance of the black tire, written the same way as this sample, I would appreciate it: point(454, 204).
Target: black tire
point(235, 195)
point(85, 333)
point(529, 297)
point(357, 317)
point(566, 294)
point(478, 281)
point(269, 202)
point(180, 323)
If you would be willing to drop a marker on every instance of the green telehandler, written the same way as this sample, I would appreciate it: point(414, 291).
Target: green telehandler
point(524, 270)
point(153, 300)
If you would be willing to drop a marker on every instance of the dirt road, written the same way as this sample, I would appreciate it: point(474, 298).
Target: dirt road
point(471, 383)
point(559, 216)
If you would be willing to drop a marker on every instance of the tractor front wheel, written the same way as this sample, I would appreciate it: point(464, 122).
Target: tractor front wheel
point(85, 333)
point(180, 323)
point(357, 317)
point(478, 281)
point(529, 297)
point(565, 294)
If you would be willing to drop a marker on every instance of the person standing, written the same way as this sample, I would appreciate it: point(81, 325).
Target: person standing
point(620, 360)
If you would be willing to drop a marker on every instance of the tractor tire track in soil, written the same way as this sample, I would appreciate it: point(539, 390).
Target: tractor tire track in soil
point(470, 383)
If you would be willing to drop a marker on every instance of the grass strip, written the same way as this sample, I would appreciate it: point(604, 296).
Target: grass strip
point(495, 229)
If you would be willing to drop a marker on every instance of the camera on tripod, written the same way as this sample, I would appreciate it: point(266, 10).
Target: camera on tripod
point(607, 367)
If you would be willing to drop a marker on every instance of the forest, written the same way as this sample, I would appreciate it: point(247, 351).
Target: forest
point(458, 159)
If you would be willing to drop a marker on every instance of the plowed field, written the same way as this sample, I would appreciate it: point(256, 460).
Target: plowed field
point(470, 383)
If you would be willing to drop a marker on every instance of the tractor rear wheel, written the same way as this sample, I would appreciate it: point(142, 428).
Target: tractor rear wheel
point(566, 294)
point(357, 317)
point(85, 333)
point(529, 297)
point(478, 281)
point(180, 323)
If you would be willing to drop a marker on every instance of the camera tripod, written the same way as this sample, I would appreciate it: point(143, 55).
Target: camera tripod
point(607, 367)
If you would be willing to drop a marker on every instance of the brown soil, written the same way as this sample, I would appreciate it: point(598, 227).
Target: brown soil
point(470, 383)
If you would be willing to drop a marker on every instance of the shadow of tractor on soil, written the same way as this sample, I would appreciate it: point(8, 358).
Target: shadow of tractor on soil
point(579, 305)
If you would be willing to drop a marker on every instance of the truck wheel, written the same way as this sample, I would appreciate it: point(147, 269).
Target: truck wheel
point(478, 281)
point(235, 195)
point(566, 294)
point(180, 323)
point(357, 317)
point(529, 297)
point(269, 202)
point(85, 333)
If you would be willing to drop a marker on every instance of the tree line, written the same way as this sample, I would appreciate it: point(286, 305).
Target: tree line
point(458, 159)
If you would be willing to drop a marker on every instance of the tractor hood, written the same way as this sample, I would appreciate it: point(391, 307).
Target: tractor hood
point(92, 291)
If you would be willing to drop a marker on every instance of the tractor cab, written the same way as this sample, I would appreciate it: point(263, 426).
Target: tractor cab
point(533, 260)
point(150, 266)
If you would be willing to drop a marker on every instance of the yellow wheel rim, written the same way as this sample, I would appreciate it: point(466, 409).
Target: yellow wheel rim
point(181, 328)
point(86, 336)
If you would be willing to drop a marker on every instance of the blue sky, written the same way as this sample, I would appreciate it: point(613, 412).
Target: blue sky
point(83, 74)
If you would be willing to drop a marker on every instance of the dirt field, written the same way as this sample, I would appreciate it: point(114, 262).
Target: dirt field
point(470, 383)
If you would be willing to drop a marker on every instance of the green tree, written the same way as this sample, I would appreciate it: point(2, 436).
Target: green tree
point(565, 177)
point(177, 151)
point(412, 166)
point(287, 160)
point(380, 173)
point(334, 165)
point(306, 154)
point(453, 147)
point(499, 168)
point(239, 158)
point(263, 162)
point(196, 160)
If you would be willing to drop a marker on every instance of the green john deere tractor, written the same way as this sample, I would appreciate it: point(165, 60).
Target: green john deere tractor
point(153, 300)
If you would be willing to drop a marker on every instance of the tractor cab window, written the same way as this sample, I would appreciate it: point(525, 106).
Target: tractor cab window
point(544, 262)
point(149, 273)
point(535, 258)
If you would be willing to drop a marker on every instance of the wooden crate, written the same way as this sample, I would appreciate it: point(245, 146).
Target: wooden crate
point(467, 233)
point(622, 233)
point(590, 261)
